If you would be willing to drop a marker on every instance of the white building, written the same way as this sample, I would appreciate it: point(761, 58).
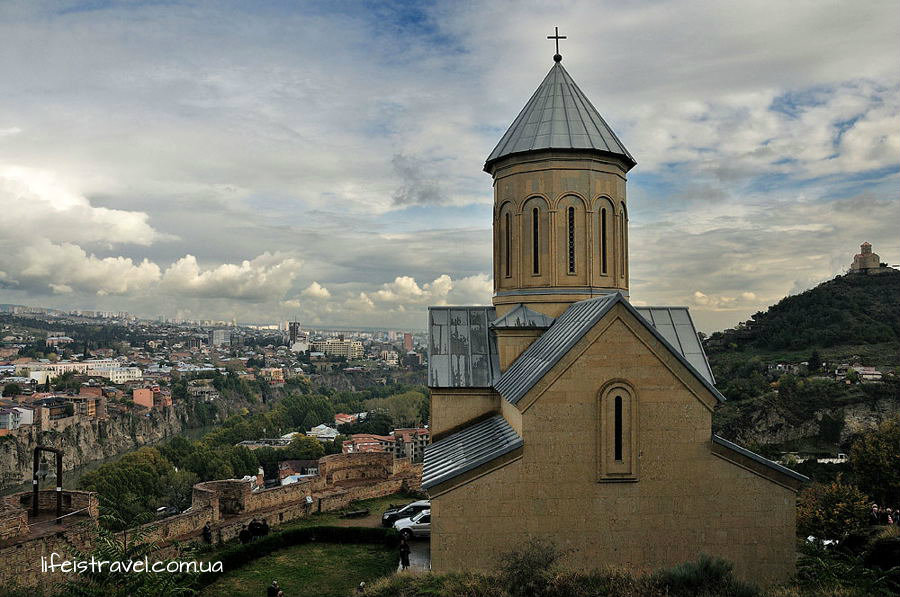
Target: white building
point(118, 375)
point(323, 433)
point(350, 349)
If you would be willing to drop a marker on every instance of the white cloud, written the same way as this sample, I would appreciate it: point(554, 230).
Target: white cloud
point(267, 277)
point(64, 268)
point(316, 291)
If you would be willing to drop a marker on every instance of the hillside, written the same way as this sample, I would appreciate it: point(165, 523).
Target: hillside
point(781, 397)
point(848, 310)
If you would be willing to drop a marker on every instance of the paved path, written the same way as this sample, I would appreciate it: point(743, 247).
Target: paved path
point(419, 549)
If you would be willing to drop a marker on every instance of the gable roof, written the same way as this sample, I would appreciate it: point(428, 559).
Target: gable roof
point(559, 116)
point(467, 449)
point(521, 317)
point(462, 350)
point(568, 329)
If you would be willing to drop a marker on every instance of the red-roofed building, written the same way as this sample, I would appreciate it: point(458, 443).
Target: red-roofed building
point(344, 419)
point(367, 442)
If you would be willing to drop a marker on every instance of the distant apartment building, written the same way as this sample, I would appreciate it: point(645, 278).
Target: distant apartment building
point(337, 347)
point(54, 341)
point(26, 415)
point(194, 343)
point(118, 375)
point(293, 332)
point(407, 342)
point(10, 420)
point(41, 371)
point(206, 393)
point(390, 357)
point(410, 443)
point(219, 337)
point(273, 375)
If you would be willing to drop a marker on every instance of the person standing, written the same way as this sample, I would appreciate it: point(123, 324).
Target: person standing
point(207, 533)
point(404, 554)
point(244, 536)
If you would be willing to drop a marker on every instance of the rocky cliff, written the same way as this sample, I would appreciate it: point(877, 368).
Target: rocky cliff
point(833, 427)
point(86, 441)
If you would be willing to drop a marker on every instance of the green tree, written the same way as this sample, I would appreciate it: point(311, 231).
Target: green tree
point(831, 511)
point(310, 421)
point(875, 462)
point(132, 545)
point(815, 362)
point(12, 389)
point(132, 485)
point(303, 447)
point(405, 409)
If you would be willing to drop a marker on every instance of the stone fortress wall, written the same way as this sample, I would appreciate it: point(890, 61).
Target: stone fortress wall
point(227, 505)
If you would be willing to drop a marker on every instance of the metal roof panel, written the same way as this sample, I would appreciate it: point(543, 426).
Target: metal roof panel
point(467, 449)
point(462, 349)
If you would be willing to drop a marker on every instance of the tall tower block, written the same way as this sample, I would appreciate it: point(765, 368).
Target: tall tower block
point(560, 212)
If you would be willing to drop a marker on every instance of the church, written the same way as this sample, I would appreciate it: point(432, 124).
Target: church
point(564, 412)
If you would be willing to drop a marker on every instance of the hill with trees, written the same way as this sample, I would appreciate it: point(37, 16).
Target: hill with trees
point(848, 310)
point(778, 369)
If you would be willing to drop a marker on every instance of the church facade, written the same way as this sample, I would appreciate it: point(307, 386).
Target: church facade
point(566, 413)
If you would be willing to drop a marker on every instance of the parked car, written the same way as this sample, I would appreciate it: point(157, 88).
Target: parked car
point(392, 515)
point(164, 511)
point(417, 526)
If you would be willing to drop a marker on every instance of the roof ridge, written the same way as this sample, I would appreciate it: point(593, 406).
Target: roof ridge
point(543, 354)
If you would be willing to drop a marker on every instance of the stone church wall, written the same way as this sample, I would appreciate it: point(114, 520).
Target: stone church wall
point(685, 501)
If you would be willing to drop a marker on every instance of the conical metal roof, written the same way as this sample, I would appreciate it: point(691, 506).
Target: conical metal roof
point(559, 116)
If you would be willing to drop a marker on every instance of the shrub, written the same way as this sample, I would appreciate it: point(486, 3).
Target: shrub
point(824, 572)
point(526, 572)
point(706, 577)
point(831, 511)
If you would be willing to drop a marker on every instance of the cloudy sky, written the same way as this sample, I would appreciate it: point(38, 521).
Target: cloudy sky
point(265, 160)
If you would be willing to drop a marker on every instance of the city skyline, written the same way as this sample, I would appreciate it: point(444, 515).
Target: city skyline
point(326, 163)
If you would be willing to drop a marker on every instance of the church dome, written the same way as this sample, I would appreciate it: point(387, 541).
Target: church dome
point(560, 117)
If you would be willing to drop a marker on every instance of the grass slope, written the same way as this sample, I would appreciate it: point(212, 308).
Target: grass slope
point(311, 570)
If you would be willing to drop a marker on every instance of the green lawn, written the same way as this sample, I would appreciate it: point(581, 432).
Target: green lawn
point(309, 570)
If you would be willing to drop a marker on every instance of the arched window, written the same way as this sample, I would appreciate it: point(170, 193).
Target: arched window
point(535, 241)
point(617, 433)
point(507, 245)
point(571, 238)
point(603, 242)
point(617, 430)
point(623, 242)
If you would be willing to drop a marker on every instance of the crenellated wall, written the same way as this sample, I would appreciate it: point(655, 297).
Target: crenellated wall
point(227, 505)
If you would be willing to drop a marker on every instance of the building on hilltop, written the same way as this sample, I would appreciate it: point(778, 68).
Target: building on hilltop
point(867, 262)
point(567, 413)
